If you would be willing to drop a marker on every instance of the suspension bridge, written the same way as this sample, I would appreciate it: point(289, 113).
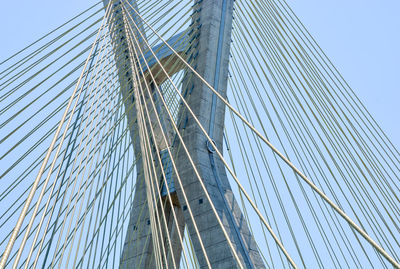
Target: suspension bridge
point(190, 134)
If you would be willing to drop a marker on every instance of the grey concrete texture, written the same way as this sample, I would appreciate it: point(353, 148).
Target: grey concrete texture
point(211, 16)
point(139, 248)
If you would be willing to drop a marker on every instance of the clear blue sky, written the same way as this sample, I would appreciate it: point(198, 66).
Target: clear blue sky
point(361, 37)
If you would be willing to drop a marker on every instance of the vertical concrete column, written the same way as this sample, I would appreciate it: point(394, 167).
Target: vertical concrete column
point(138, 249)
point(213, 21)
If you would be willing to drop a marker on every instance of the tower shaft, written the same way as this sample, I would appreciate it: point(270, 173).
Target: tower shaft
point(212, 20)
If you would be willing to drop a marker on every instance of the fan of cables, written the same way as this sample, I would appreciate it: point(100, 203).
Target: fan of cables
point(87, 108)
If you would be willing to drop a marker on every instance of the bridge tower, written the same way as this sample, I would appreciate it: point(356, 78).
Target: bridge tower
point(210, 40)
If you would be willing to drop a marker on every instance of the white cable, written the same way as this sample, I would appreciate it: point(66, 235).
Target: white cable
point(146, 174)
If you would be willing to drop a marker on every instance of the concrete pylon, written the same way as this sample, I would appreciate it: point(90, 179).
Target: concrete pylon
point(209, 54)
